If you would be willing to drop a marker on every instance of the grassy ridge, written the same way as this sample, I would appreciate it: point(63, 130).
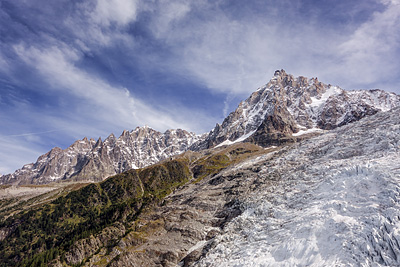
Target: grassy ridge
point(215, 162)
point(40, 235)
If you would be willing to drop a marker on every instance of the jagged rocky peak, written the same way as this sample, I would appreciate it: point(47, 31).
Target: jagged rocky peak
point(142, 131)
point(110, 140)
point(84, 144)
point(95, 160)
point(301, 88)
point(288, 107)
point(51, 154)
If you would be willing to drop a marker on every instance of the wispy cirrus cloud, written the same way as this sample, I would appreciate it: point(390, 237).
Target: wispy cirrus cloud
point(89, 106)
point(83, 101)
point(367, 56)
point(120, 12)
point(16, 151)
point(113, 105)
point(351, 45)
point(232, 54)
point(94, 67)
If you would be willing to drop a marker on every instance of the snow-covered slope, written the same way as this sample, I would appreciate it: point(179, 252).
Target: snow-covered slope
point(95, 160)
point(333, 200)
point(288, 105)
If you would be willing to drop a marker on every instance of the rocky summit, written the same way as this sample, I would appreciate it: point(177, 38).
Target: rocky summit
point(288, 107)
point(300, 174)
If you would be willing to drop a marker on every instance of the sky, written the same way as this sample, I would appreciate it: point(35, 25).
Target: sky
point(73, 69)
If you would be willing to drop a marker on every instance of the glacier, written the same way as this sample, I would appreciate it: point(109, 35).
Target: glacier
point(333, 200)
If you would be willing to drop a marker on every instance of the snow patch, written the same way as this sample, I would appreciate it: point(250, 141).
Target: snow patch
point(312, 130)
point(240, 139)
point(332, 90)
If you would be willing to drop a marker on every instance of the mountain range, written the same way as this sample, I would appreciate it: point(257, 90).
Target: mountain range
point(301, 174)
point(286, 109)
point(91, 160)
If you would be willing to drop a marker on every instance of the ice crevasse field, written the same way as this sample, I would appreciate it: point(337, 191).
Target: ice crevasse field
point(336, 202)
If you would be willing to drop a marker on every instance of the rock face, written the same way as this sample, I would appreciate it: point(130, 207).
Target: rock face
point(95, 160)
point(289, 106)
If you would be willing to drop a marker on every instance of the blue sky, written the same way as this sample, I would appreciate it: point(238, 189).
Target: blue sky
point(70, 69)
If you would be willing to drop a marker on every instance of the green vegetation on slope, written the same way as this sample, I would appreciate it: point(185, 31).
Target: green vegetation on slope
point(215, 162)
point(43, 234)
point(34, 196)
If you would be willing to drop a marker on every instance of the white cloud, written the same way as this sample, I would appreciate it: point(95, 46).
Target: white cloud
point(4, 66)
point(56, 65)
point(231, 55)
point(227, 54)
point(121, 12)
point(369, 55)
point(167, 14)
point(102, 22)
point(236, 55)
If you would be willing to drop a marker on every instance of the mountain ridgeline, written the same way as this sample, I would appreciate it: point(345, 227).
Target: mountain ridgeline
point(300, 174)
point(90, 160)
point(286, 109)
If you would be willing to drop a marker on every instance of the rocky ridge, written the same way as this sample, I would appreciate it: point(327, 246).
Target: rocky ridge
point(289, 107)
point(92, 160)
